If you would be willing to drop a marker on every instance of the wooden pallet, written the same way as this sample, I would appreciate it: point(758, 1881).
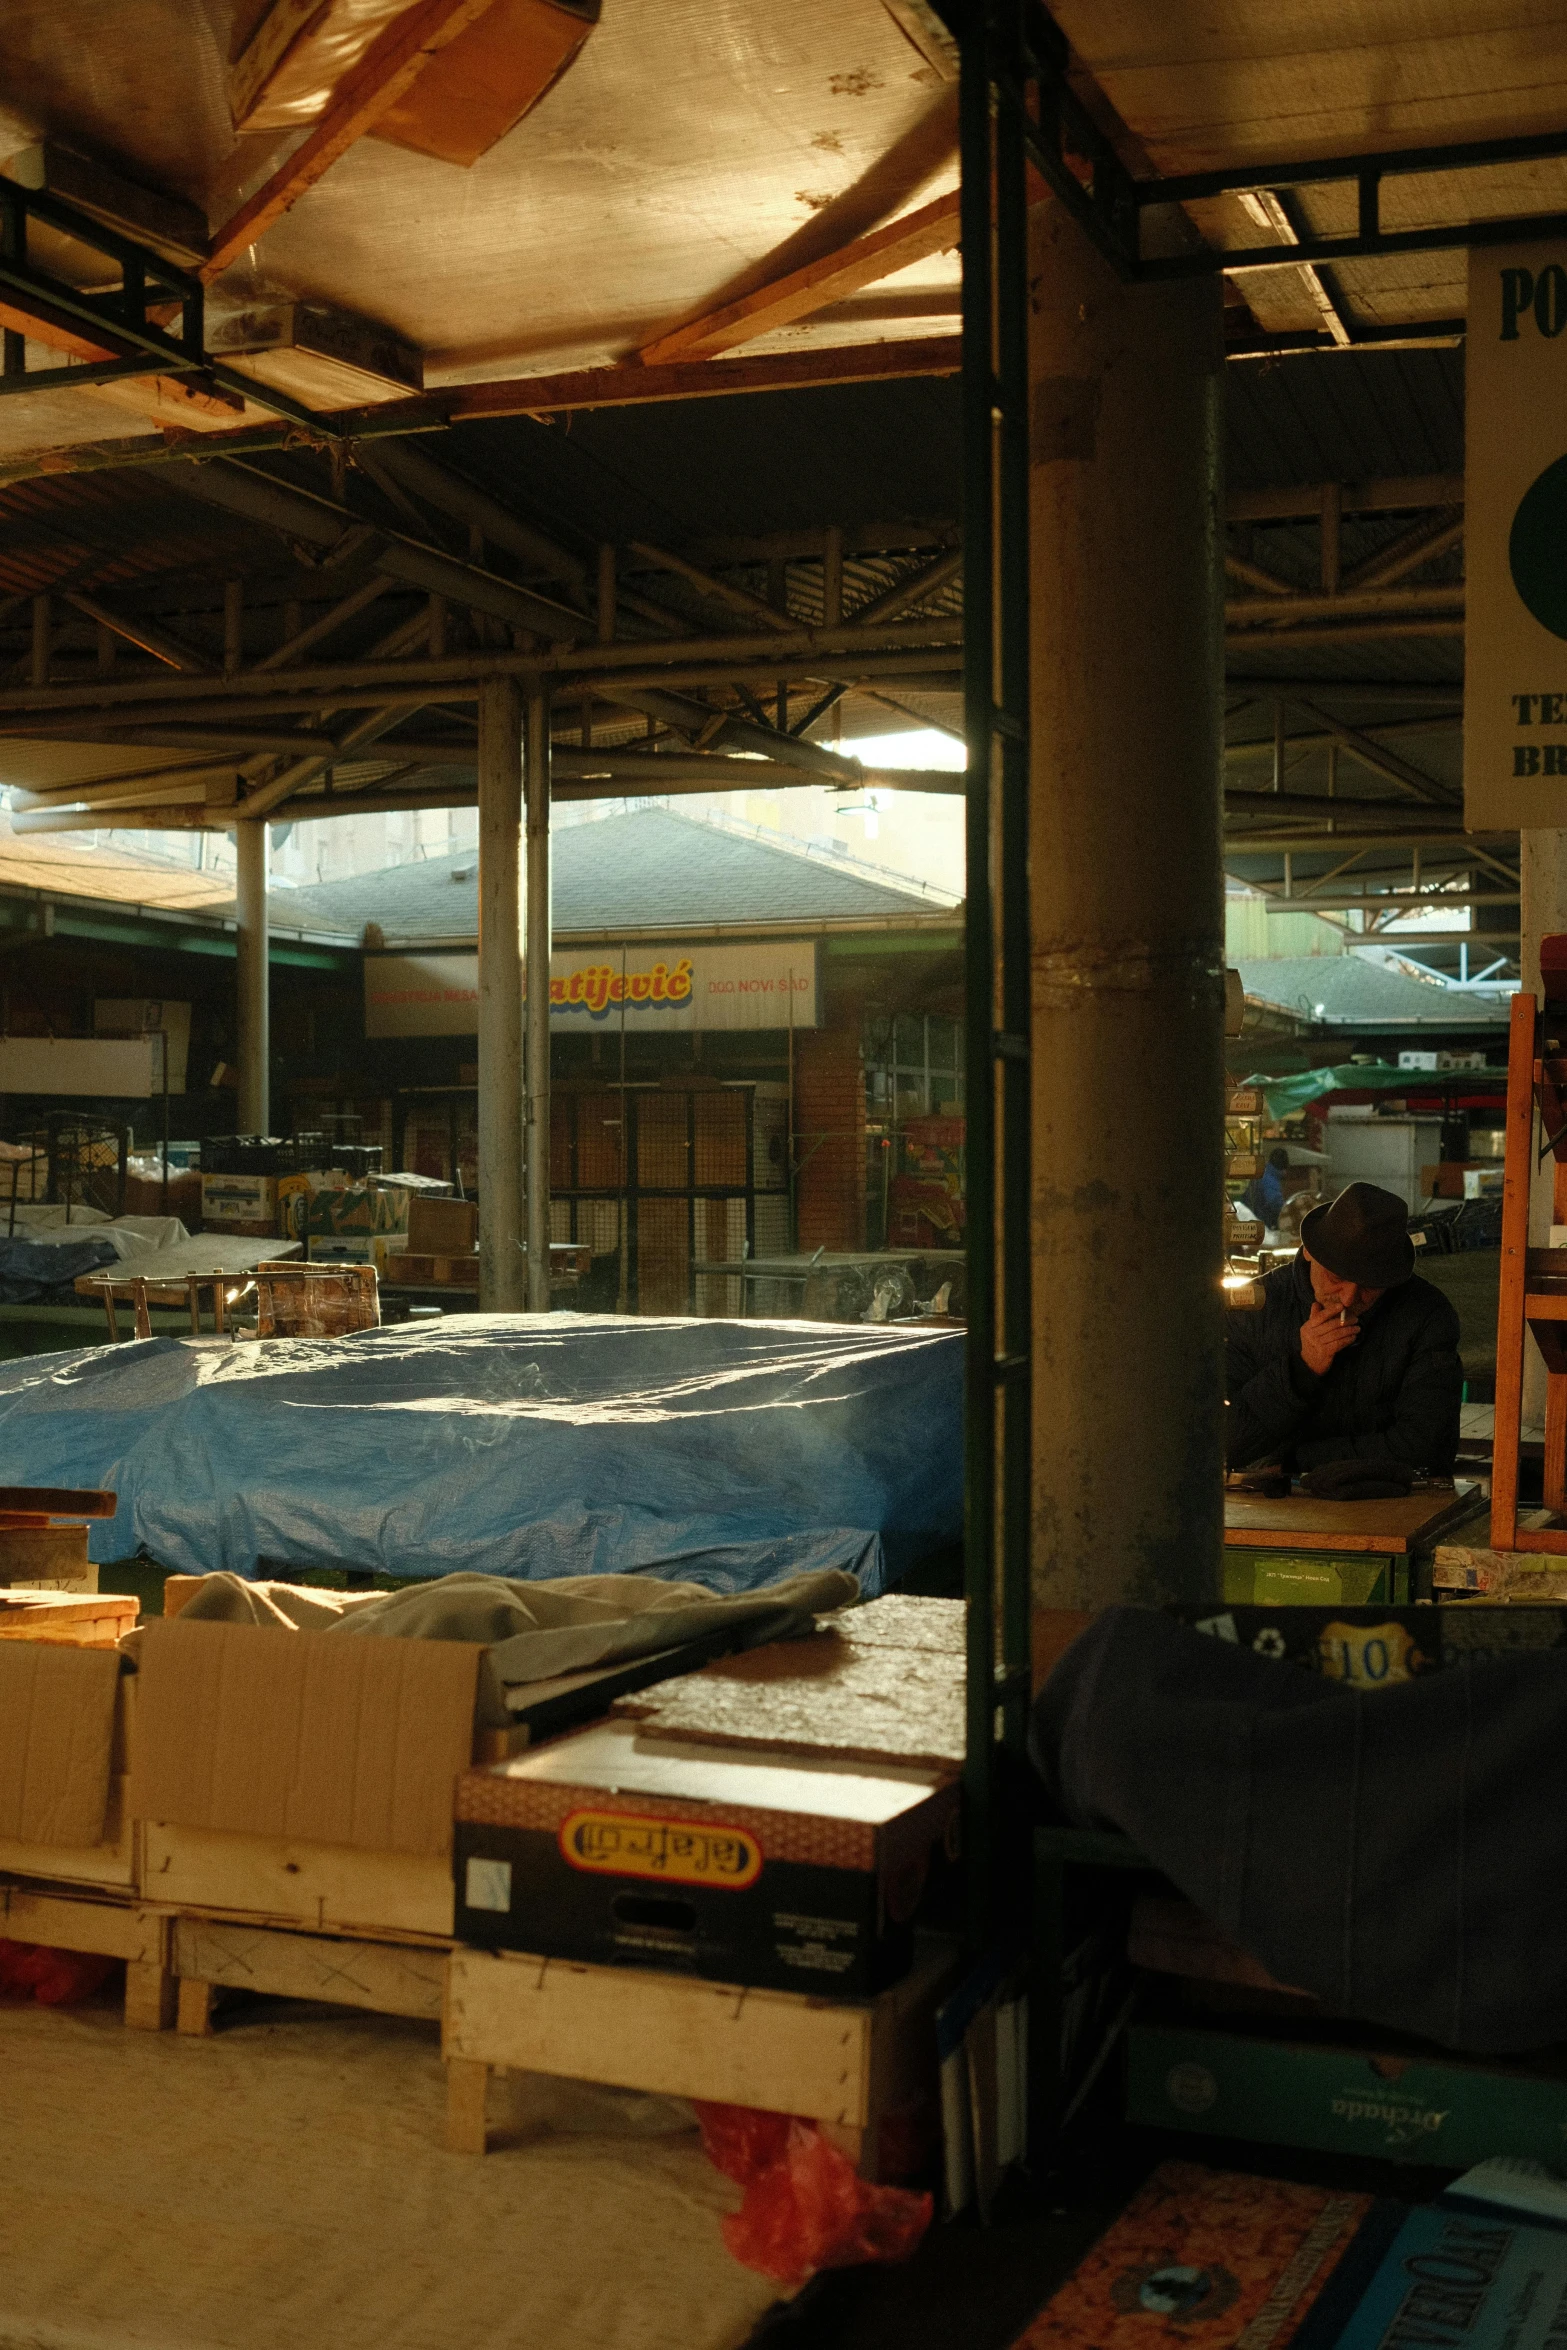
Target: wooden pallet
point(76, 1619)
point(433, 1272)
point(177, 1961)
point(274, 1880)
point(106, 1929)
point(848, 2065)
point(211, 1955)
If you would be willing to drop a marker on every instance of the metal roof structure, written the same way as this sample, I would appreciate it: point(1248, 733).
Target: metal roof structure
point(693, 298)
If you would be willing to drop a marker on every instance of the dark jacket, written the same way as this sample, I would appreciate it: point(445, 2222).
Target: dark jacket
point(1393, 1395)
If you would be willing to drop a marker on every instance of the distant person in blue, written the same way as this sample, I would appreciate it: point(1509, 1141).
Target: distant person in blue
point(1264, 1194)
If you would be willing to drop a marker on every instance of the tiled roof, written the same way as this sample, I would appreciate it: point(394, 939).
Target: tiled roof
point(1347, 988)
point(649, 869)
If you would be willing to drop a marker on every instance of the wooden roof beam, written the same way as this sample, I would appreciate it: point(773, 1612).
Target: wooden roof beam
point(933, 228)
point(386, 73)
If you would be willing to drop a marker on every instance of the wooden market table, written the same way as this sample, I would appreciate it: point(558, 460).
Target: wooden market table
point(1317, 1553)
point(212, 1271)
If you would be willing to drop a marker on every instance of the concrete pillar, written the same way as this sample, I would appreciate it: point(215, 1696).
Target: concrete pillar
point(536, 785)
point(502, 1271)
point(252, 984)
point(1128, 937)
point(1542, 867)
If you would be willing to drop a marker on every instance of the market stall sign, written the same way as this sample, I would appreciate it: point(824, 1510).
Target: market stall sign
point(1515, 531)
point(651, 989)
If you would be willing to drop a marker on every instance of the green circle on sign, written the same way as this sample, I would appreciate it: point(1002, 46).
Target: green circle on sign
point(1537, 548)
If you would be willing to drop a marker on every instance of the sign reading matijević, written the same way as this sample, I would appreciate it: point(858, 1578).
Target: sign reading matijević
point(653, 989)
point(1515, 534)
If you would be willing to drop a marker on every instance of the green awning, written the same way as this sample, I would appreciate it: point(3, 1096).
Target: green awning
point(1286, 1095)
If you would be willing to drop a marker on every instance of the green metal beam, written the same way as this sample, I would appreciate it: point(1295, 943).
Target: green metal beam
point(20, 915)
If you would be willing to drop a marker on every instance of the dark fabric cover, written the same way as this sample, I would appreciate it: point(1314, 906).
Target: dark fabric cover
point(31, 1270)
point(1393, 1395)
point(1401, 1853)
point(1353, 1480)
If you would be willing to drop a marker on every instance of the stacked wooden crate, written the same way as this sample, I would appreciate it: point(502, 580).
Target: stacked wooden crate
point(273, 1813)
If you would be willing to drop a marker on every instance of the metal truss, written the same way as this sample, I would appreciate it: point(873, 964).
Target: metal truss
point(1078, 162)
point(128, 323)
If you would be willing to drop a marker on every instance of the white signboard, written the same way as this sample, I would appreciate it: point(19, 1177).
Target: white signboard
point(1515, 533)
point(108, 1068)
point(654, 990)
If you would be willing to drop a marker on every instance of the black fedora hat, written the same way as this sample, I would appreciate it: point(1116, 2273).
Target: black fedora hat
point(1362, 1236)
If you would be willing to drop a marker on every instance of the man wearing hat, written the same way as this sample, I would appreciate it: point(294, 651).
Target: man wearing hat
point(1352, 1356)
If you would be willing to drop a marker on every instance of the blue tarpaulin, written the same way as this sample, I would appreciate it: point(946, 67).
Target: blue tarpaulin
point(31, 1270)
point(723, 1453)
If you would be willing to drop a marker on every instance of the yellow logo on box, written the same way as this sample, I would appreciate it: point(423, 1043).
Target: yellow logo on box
point(1367, 1655)
point(672, 1852)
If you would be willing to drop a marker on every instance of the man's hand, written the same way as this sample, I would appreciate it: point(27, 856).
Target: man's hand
point(1323, 1338)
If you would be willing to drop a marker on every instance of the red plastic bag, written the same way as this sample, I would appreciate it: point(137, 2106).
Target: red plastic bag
point(55, 1978)
point(806, 2207)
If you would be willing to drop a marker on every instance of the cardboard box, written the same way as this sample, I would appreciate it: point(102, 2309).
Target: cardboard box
point(618, 1849)
point(1462, 1179)
point(442, 1227)
point(58, 1709)
point(246, 1204)
point(1415, 2106)
point(323, 1738)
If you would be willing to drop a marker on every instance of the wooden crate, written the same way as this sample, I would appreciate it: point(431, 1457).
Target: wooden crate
point(108, 1929)
point(847, 2065)
point(80, 1619)
point(210, 1955)
point(409, 1271)
point(271, 1879)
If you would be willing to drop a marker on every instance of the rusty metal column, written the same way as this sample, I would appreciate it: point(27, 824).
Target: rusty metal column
point(252, 992)
point(1128, 963)
point(502, 1273)
point(536, 784)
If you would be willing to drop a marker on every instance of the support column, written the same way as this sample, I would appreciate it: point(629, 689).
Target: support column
point(502, 1273)
point(536, 783)
point(1542, 868)
point(252, 978)
point(1128, 939)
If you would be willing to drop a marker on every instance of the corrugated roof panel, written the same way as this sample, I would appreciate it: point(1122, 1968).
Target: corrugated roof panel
point(1344, 417)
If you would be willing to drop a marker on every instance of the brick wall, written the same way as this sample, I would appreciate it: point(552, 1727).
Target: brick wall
point(829, 1138)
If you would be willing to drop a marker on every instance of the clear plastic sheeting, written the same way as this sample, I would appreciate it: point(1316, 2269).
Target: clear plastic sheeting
point(728, 1454)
